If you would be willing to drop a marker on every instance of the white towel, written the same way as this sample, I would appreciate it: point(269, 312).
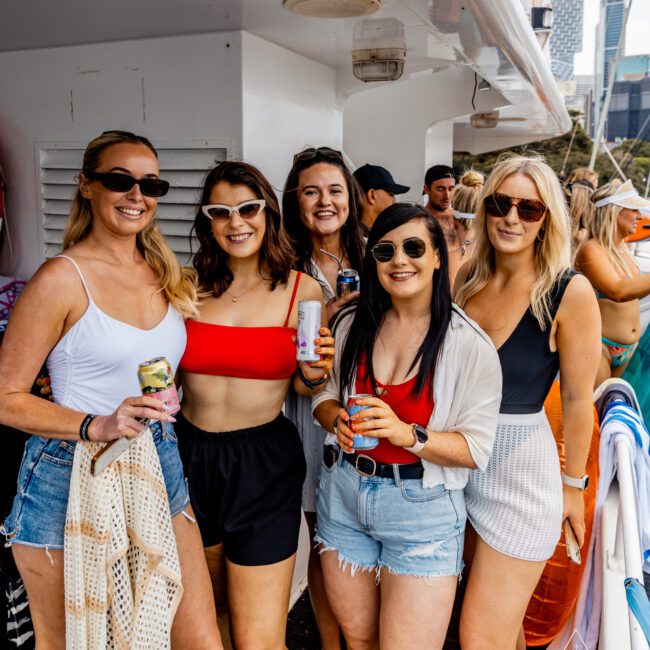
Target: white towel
point(620, 420)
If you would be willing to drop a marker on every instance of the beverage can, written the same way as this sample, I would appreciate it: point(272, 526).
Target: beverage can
point(360, 442)
point(156, 379)
point(309, 324)
point(347, 282)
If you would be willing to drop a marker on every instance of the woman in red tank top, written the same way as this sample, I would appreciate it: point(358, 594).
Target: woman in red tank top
point(243, 459)
point(395, 514)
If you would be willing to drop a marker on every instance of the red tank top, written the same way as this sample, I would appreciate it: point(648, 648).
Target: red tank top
point(406, 408)
point(244, 352)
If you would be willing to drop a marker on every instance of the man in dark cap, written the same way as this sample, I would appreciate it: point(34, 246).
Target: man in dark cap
point(379, 189)
point(439, 186)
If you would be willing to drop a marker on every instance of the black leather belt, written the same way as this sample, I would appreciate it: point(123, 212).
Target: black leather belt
point(369, 467)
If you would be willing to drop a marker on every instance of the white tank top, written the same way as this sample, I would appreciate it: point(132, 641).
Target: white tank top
point(93, 368)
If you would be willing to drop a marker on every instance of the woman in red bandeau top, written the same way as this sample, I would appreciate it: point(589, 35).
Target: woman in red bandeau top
point(243, 459)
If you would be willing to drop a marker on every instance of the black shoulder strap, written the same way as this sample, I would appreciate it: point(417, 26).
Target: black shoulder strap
point(558, 290)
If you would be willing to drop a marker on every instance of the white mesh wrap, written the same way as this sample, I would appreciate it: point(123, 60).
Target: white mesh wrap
point(516, 504)
point(122, 573)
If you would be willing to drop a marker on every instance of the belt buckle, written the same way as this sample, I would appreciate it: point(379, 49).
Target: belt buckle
point(360, 471)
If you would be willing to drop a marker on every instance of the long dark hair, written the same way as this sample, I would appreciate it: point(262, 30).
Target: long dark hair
point(211, 261)
point(351, 233)
point(375, 301)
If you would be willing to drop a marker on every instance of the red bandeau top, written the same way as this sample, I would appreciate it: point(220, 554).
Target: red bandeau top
point(244, 352)
point(407, 409)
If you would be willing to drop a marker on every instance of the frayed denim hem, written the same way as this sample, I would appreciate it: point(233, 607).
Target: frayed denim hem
point(345, 562)
point(46, 547)
point(425, 576)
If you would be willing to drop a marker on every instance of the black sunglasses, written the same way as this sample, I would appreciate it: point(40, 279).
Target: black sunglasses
point(498, 205)
point(116, 182)
point(413, 247)
point(313, 152)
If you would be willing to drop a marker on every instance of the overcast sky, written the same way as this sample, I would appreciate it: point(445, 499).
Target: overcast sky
point(636, 42)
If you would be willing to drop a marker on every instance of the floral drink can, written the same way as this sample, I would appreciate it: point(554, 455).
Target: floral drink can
point(156, 379)
point(360, 442)
point(347, 282)
point(309, 324)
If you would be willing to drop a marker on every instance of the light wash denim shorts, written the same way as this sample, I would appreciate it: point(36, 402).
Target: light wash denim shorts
point(37, 517)
point(375, 523)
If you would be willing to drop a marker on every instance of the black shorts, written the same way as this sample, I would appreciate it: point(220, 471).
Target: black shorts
point(246, 488)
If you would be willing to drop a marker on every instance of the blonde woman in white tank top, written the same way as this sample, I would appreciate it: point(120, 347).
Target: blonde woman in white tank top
point(118, 299)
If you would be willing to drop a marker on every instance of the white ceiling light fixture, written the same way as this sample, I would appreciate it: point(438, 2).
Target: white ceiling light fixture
point(378, 49)
point(332, 8)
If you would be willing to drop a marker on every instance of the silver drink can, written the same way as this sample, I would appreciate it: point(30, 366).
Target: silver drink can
point(309, 324)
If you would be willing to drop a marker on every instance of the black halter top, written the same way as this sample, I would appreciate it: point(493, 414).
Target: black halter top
point(527, 362)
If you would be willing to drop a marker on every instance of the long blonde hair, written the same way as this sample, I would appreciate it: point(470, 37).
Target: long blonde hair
point(467, 193)
point(176, 282)
point(552, 248)
point(581, 207)
point(603, 226)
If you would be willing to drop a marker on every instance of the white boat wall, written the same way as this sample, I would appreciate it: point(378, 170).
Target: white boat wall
point(259, 83)
point(255, 82)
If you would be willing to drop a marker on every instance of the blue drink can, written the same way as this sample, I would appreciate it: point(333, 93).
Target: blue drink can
point(360, 441)
point(347, 282)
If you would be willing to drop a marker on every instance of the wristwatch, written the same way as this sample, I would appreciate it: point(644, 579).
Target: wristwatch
point(580, 483)
point(421, 436)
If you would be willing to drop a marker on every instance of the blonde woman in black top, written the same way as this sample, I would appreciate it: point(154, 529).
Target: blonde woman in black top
point(542, 318)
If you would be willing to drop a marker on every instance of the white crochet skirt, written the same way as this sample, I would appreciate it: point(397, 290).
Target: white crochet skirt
point(516, 504)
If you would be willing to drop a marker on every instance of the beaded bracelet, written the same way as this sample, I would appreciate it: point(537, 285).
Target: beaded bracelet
point(308, 382)
point(85, 425)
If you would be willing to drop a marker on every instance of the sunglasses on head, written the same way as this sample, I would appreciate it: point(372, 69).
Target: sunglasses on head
point(117, 182)
point(246, 210)
point(498, 205)
point(414, 247)
point(313, 152)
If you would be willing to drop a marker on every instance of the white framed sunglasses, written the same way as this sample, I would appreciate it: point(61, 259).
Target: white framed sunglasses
point(246, 210)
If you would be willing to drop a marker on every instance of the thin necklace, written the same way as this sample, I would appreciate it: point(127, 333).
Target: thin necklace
point(241, 295)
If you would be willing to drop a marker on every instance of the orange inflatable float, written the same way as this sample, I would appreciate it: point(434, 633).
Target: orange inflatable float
point(557, 590)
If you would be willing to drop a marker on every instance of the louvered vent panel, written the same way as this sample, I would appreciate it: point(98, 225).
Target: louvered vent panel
point(184, 167)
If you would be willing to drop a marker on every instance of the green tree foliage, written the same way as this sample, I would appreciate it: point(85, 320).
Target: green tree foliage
point(632, 156)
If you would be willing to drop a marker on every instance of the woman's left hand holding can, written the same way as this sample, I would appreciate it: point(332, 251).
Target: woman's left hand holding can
point(379, 420)
point(317, 370)
point(128, 419)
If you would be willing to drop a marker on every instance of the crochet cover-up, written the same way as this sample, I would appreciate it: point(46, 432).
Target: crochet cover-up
point(122, 572)
point(516, 504)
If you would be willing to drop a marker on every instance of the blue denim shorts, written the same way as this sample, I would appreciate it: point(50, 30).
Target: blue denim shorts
point(37, 517)
point(375, 523)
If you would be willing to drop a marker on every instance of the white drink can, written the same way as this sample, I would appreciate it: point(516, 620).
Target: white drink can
point(309, 323)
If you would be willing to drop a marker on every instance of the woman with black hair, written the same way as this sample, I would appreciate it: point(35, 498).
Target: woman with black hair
point(243, 458)
point(395, 515)
point(322, 214)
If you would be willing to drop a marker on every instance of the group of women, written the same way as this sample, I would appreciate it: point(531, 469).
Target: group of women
point(452, 385)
